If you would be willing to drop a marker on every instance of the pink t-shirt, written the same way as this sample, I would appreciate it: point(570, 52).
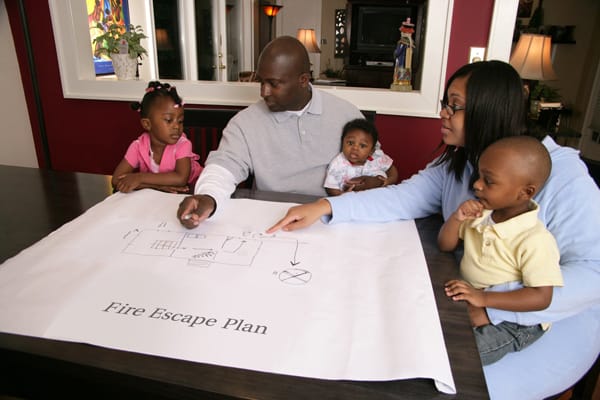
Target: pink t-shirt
point(139, 155)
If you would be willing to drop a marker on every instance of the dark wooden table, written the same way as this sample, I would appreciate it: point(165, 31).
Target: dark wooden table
point(36, 202)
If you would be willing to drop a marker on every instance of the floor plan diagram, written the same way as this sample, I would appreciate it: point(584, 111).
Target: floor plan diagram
point(202, 250)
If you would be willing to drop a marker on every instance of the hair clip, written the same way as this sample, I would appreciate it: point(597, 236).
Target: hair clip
point(150, 89)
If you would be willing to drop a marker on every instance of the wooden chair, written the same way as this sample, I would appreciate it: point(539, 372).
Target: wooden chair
point(204, 128)
point(369, 115)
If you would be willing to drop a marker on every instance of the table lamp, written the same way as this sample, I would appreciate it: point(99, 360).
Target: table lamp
point(163, 42)
point(309, 39)
point(531, 59)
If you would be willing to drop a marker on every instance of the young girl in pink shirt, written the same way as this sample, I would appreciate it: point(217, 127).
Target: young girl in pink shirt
point(161, 157)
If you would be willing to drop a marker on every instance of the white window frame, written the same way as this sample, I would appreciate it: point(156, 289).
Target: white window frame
point(79, 81)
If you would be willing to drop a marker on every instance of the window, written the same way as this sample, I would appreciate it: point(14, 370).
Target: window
point(78, 78)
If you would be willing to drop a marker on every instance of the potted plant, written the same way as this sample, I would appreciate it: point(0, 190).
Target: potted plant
point(542, 93)
point(123, 46)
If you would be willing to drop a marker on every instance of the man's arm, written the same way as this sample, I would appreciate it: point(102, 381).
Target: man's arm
point(215, 185)
point(195, 209)
point(392, 176)
point(361, 183)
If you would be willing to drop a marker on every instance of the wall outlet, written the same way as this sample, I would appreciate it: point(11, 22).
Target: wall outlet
point(476, 54)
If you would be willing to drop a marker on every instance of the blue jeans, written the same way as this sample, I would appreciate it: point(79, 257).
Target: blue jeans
point(495, 341)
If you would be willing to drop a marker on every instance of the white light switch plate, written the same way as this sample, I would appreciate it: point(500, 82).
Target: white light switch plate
point(476, 54)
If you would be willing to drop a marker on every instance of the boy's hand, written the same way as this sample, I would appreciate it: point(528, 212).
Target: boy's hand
point(470, 209)
point(461, 290)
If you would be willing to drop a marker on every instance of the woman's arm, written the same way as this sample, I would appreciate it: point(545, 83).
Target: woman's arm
point(302, 216)
point(417, 197)
point(333, 192)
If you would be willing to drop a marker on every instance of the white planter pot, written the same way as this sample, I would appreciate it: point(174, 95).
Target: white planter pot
point(124, 66)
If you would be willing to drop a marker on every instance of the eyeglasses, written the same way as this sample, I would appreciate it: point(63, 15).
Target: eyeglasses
point(451, 109)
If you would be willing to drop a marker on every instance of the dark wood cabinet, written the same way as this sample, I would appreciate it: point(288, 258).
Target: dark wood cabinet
point(372, 32)
point(368, 76)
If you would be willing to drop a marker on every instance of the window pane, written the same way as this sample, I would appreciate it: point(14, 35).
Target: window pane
point(166, 22)
point(204, 41)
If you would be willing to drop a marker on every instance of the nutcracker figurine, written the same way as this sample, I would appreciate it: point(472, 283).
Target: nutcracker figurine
point(403, 55)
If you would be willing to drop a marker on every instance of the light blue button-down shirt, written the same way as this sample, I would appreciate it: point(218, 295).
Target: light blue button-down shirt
point(570, 209)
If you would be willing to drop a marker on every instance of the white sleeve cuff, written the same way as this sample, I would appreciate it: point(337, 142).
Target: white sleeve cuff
point(217, 182)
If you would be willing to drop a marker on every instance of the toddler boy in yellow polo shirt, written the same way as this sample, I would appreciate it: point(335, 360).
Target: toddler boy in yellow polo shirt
point(504, 241)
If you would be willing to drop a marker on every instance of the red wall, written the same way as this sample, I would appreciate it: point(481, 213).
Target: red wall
point(91, 136)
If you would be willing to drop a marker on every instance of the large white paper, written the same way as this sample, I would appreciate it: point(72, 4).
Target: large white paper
point(347, 301)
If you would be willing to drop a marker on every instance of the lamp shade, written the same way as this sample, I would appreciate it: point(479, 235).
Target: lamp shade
point(162, 39)
point(531, 57)
point(271, 10)
point(309, 40)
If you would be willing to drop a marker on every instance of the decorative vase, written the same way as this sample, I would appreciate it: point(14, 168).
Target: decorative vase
point(534, 108)
point(125, 67)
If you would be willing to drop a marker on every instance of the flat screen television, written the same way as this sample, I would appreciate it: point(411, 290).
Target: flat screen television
point(376, 29)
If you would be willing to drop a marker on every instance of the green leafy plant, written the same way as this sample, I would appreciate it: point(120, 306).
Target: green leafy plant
point(331, 73)
point(110, 41)
point(541, 91)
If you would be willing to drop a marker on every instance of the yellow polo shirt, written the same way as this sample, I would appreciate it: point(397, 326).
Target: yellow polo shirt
point(520, 249)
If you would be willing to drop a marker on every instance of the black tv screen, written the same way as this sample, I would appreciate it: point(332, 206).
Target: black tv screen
point(379, 27)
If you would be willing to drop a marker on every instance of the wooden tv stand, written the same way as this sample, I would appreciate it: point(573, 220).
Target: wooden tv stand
point(368, 76)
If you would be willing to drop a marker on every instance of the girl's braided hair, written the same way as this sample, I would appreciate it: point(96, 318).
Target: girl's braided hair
point(156, 90)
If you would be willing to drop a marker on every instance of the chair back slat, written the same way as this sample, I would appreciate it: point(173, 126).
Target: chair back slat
point(204, 128)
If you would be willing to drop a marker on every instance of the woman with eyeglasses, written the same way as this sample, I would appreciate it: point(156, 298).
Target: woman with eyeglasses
point(484, 102)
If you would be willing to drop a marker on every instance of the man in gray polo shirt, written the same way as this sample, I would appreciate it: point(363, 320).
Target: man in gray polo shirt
point(286, 140)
